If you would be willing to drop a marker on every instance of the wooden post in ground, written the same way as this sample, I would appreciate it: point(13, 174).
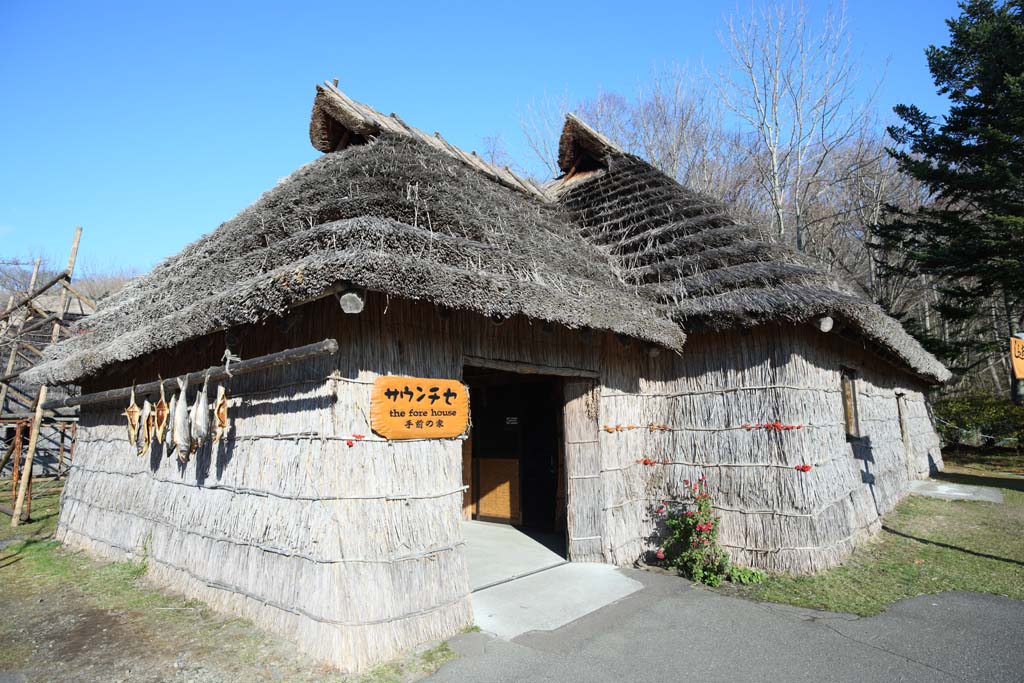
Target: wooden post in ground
point(37, 419)
point(33, 439)
point(26, 512)
point(16, 462)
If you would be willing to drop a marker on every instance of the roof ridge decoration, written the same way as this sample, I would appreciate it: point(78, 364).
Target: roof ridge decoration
point(580, 142)
point(339, 121)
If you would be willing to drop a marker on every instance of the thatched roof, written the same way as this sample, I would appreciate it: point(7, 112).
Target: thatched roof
point(612, 245)
point(685, 250)
point(394, 215)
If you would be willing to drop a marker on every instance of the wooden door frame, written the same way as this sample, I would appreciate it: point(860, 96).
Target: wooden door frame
point(569, 375)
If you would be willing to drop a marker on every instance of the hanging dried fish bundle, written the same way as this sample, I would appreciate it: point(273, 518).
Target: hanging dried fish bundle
point(161, 412)
point(182, 439)
point(200, 418)
point(220, 414)
point(132, 413)
point(146, 425)
point(170, 426)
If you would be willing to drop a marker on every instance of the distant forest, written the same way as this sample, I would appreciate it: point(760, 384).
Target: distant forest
point(923, 211)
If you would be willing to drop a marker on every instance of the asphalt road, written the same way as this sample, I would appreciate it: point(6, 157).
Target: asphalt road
point(671, 631)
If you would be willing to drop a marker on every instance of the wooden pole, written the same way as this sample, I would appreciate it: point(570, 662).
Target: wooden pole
point(32, 440)
point(14, 338)
point(31, 296)
point(26, 513)
point(16, 463)
point(60, 453)
point(215, 373)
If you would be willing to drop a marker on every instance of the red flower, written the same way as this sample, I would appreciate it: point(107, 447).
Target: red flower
point(661, 509)
point(660, 554)
point(689, 513)
point(686, 482)
point(349, 443)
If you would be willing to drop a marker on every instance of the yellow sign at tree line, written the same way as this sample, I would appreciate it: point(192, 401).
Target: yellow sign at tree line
point(419, 408)
point(1017, 356)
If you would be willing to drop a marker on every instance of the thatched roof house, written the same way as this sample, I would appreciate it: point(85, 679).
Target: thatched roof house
point(618, 334)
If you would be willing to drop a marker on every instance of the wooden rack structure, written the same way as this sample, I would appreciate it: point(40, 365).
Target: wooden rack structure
point(27, 326)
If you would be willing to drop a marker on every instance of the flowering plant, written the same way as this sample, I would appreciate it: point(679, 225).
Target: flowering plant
point(691, 544)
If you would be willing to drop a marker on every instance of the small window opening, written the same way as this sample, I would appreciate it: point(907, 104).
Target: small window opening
point(850, 411)
point(901, 413)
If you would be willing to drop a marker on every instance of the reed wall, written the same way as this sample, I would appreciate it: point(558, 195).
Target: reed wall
point(355, 551)
point(773, 515)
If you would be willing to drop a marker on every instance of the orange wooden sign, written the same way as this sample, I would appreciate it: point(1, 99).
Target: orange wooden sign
point(1017, 356)
point(419, 408)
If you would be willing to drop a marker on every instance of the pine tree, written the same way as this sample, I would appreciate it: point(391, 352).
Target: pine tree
point(970, 235)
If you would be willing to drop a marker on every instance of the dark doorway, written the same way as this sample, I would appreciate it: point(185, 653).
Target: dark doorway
point(515, 452)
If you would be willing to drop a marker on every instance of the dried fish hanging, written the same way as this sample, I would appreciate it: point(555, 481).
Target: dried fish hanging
point(220, 414)
point(200, 417)
point(146, 424)
point(182, 438)
point(171, 441)
point(132, 413)
point(160, 413)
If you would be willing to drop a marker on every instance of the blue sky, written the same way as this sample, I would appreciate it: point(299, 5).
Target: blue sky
point(151, 123)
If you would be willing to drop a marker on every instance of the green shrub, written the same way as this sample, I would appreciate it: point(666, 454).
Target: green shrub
point(979, 420)
point(745, 575)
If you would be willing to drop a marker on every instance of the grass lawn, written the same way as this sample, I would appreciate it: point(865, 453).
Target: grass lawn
point(68, 617)
point(926, 546)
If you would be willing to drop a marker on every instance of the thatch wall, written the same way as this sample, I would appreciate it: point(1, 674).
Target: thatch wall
point(773, 515)
point(356, 551)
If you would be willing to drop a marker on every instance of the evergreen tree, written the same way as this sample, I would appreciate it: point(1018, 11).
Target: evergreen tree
point(970, 236)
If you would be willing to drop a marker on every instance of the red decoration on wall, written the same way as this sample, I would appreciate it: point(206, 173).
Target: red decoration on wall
point(772, 426)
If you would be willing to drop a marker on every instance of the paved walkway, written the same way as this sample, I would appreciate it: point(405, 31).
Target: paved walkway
point(496, 553)
point(944, 490)
point(670, 631)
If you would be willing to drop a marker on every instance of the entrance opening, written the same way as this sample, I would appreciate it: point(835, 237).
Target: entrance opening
point(513, 464)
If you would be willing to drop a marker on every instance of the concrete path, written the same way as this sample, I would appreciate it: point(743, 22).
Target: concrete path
point(932, 488)
point(671, 631)
point(496, 553)
point(550, 599)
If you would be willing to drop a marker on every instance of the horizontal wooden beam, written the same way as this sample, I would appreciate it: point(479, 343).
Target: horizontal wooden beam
point(526, 368)
point(327, 347)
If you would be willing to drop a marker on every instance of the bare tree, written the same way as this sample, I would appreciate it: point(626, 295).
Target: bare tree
point(673, 120)
point(494, 151)
point(793, 87)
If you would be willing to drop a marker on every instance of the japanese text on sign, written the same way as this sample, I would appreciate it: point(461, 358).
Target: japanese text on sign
point(1017, 356)
point(419, 408)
